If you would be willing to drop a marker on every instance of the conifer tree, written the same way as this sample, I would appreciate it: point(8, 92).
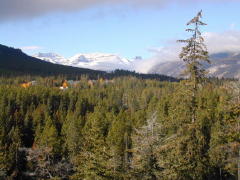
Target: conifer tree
point(71, 132)
point(50, 137)
point(194, 54)
point(184, 153)
point(118, 140)
point(91, 162)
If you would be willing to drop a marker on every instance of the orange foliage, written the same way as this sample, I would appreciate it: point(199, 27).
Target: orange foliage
point(65, 84)
point(26, 85)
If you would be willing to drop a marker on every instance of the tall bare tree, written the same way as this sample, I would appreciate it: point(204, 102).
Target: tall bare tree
point(146, 141)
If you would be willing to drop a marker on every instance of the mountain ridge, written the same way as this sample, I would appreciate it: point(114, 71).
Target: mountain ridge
point(97, 61)
point(223, 65)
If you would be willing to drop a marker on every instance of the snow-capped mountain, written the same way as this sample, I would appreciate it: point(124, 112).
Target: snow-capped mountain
point(51, 57)
point(97, 61)
point(100, 61)
point(225, 65)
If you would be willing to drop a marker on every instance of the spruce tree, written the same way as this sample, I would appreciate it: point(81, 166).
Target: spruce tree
point(119, 141)
point(184, 153)
point(72, 134)
point(91, 162)
point(194, 54)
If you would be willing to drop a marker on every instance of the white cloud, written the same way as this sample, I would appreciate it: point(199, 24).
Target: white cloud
point(228, 41)
point(161, 54)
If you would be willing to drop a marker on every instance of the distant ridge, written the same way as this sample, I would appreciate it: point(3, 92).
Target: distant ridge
point(223, 65)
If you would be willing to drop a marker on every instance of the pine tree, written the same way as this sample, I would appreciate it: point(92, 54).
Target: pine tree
point(91, 162)
point(119, 141)
point(71, 132)
point(194, 54)
point(184, 153)
point(50, 137)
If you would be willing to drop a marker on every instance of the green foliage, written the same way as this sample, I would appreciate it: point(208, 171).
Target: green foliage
point(102, 132)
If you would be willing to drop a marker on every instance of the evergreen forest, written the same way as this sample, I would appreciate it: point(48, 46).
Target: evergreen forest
point(122, 128)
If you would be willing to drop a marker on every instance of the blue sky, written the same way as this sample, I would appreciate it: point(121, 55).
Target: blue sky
point(113, 28)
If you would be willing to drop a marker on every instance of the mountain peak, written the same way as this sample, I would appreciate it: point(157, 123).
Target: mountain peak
point(50, 57)
point(98, 61)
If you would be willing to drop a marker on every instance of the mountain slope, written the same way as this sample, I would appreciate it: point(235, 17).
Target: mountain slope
point(225, 65)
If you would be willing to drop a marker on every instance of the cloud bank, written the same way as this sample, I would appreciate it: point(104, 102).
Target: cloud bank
point(228, 41)
point(19, 9)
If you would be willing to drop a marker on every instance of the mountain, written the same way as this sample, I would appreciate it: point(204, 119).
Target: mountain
point(223, 65)
point(97, 61)
point(15, 62)
point(51, 57)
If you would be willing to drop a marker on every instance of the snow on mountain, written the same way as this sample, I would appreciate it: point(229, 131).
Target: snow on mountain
point(97, 61)
point(51, 57)
point(100, 61)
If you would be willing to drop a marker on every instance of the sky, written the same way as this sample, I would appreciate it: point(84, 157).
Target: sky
point(129, 28)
